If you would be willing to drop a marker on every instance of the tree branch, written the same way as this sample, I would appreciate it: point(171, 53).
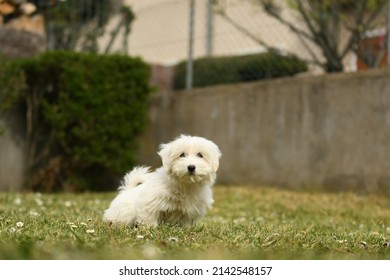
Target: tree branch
point(277, 16)
point(362, 26)
point(315, 58)
point(244, 31)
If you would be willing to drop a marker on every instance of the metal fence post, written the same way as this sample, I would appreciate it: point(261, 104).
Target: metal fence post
point(388, 33)
point(189, 77)
point(209, 28)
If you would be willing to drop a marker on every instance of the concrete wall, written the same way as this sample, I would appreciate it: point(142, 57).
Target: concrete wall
point(12, 152)
point(330, 132)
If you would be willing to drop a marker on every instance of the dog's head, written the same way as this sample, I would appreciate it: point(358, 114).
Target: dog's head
point(190, 159)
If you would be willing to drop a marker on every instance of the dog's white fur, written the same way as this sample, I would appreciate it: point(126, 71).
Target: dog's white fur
point(173, 193)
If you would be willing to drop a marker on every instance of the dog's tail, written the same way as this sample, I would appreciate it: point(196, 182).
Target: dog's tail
point(134, 178)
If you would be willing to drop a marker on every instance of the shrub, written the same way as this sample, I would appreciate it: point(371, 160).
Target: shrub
point(83, 113)
point(223, 70)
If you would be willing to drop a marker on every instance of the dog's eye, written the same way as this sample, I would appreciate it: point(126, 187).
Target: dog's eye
point(182, 155)
point(199, 155)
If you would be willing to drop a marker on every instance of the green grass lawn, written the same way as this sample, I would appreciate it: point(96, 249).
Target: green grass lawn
point(245, 223)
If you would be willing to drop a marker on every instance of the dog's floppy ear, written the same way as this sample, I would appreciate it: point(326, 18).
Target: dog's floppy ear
point(165, 154)
point(215, 156)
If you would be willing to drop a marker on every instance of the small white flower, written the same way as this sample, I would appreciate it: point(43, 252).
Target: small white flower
point(39, 201)
point(12, 230)
point(90, 231)
point(71, 224)
point(89, 220)
point(33, 213)
point(173, 239)
point(19, 224)
point(18, 201)
point(68, 203)
point(139, 237)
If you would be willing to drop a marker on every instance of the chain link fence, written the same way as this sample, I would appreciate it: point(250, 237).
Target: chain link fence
point(171, 31)
point(164, 29)
point(167, 32)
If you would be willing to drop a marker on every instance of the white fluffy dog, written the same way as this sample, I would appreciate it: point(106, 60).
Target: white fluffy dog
point(179, 192)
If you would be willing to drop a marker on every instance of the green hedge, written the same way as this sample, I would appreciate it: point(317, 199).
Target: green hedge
point(223, 70)
point(84, 113)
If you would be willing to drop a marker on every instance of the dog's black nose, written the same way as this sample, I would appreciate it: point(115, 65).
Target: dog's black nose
point(191, 168)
